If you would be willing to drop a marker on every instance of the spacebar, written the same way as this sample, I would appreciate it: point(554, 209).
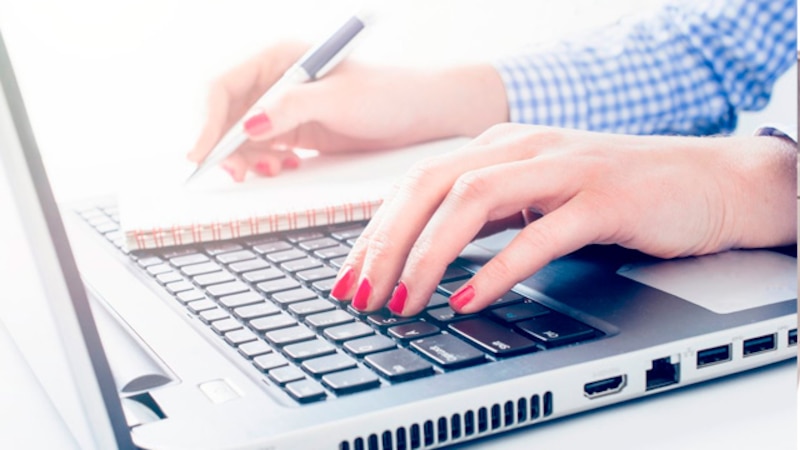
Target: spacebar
point(493, 337)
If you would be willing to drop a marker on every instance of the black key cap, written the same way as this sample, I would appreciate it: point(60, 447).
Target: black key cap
point(247, 266)
point(179, 286)
point(185, 260)
point(349, 331)
point(274, 322)
point(337, 262)
point(225, 325)
point(286, 336)
point(304, 236)
point(399, 364)
point(452, 286)
point(348, 233)
point(283, 375)
point(519, 311)
point(328, 319)
point(168, 277)
point(208, 279)
point(445, 314)
point(370, 344)
point(273, 286)
point(305, 391)
point(258, 276)
point(199, 269)
point(438, 300)
point(307, 307)
point(222, 247)
point(256, 310)
point(508, 298)
point(233, 287)
point(256, 348)
point(317, 244)
point(269, 361)
point(455, 273)
point(294, 295)
point(271, 246)
point(309, 349)
point(324, 286)
point(300, 264)
point(556, 329)
point(350, 381)
point(232, 257)
point(327, 364)
point(210, 315)
point(321, 273)
point(413, 330)
point(384, 319)
point(287, 255)
point(236, 300)
point(201, 305)
point(493, 337)
point(332, 252)
point(448, 351)
point(240, 336)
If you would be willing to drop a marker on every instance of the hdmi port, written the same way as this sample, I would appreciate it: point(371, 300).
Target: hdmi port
point(604, 387)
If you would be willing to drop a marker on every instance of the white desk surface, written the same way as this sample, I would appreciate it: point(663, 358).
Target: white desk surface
point(114, 86)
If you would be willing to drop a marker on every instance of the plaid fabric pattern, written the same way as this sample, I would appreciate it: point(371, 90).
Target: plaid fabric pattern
point(686, 70)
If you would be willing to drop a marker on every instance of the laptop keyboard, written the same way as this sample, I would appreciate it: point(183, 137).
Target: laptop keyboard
point(268, 299)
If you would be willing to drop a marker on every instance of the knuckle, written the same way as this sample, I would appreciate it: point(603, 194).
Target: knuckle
point(500, 268)
point(379, 246)
point(471, 186)
point(539, 239)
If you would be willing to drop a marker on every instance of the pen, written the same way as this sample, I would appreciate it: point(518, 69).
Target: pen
point(313, 65)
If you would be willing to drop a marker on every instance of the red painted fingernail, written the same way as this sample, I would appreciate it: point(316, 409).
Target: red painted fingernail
point(265, 168)
point(343, 284)
point(398, 300)
point(463, 296)
point(291, 162)
point(362, 294)
point(257, 124)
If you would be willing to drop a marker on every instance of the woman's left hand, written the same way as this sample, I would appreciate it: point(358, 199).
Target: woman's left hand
point(665, 196)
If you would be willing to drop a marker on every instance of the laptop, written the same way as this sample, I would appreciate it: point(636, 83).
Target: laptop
point(236, 344)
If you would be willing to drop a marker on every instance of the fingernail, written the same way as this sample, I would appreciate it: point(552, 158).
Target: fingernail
point(265, 168)
point(362, 294)
point(257, 124)
point(398, 300)
point(343, 284)
point(291, 162)
point(463, 296)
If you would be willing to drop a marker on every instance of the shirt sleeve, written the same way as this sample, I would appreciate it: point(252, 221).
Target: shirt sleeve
point(689, 69)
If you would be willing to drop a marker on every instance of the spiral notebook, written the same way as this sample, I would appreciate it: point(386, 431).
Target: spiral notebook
point(325, 190)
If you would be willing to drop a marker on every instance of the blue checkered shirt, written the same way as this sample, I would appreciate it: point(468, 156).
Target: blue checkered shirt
point(687, 70)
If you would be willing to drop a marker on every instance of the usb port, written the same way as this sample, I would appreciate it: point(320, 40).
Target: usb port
point(759, 344)
point(793, 337)
point(713, 355)
point(604, 387)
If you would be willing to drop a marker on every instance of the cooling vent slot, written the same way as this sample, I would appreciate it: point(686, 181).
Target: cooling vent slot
point(434, 432)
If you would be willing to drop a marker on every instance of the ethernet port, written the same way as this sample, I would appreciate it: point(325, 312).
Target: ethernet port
point(663, 373)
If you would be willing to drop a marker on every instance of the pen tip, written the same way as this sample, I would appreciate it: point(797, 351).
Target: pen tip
point(192, 175)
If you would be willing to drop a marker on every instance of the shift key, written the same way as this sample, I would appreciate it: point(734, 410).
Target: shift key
point(497, 339)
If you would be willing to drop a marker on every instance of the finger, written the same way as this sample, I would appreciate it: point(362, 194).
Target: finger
point(563, 231)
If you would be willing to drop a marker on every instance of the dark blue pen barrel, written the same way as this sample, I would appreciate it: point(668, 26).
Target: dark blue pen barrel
point(330, 48)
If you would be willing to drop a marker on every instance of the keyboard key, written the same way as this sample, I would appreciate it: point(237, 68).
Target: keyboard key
point(308, 307)
point(309, 349)
point(327, 364)
point(508, 298)
point(274, 322)
point(413, 330)
point(437, 300)
point(493, 337)
point(294, 295)
point(455, 273)
point(179, 286)
point(241, 336)
point(328, 319)
point(148, 261)
point(445, 314)
point(448, 351)
point(452, 286)
point(106, 227)
point(247, 266)
point(300, 264)
point(256, 310)
point(271, 246)
point(349, 331)
point(556, 329)
point(273, 286)
point(157, 269)
point(283, 375)
point(332, 252)
point(225, 325)
point(198, 306)
point(213, 278)
point(222, 247)
point(210, 315)
point(185, 260)
point(233, 287)
point(519, 311)
point(243, 299)
point(317, 244)
point(350, 381)
point(384, 319)
point(232, 257)
point(324, 286)
point(321, 273)
point(258, 276)
point(255, 348)
point(305, 391)
point(269, 361)
point(338, 262)
point(169, 277)
point(286, 336)
point(199, 269)
point(348, 233)
point(371, 344)
point(287, 255)
point(399, 364)
point(304, 236)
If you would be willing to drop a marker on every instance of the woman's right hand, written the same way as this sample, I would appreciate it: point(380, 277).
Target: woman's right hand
point(355, 107)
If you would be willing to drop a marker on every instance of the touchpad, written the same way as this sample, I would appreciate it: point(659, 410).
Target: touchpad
point(725, 282)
